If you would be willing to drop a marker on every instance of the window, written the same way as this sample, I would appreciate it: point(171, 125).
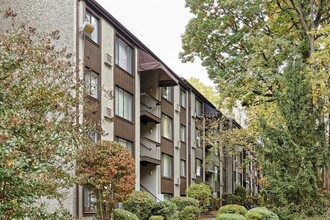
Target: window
point(198, 167)
point(234, 177)
point(124, 104)
point(183, 99)
point(166, 165)
point(89, 201)
point(167, 127)
point(91, 83)
point(182, 168)
point(125, 143)
point(198, 137)
point(183, 133)
point(124, 56)
point(240, 179)
point(94, 36)
point(241, 158)
point(167, 93)
point(94, 137)
point(198, 108)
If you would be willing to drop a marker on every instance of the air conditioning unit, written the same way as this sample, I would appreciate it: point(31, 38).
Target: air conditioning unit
point(108, 60)
point(177, 108)
point(108, 113)
point(177, 181)
point(178, 144)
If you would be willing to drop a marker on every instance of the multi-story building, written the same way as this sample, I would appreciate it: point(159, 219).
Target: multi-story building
point(154, 112)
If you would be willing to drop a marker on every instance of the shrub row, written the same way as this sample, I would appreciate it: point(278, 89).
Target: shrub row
point(237, 212)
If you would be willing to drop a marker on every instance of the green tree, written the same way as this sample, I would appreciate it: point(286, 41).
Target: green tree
point(38, 130)
point(207, 91)
point(273, 57)
point(107, 169)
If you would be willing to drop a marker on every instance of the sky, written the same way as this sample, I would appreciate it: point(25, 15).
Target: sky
point(159, 24)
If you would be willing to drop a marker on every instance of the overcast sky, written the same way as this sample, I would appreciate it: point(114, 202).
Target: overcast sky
point(159, 25)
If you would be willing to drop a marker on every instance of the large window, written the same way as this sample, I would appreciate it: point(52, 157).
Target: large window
point(198, 108)
point(183, 99)
point(182, 168)
point(198, 167)
point(167, 93)
point(183, 133)
point(124, 104)
point(89, 201)
point(124, 56)
point(167, 127)
point(91, 83)
point(125, 143)
point(198, 137)
point(167, 161)
point(94, 36)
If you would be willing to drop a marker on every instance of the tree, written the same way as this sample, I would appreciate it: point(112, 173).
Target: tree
point(107, 169)
point(207, 91)
point(38, 130)
point(273, 57)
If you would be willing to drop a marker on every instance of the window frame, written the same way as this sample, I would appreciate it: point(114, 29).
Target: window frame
point(183, 172)
point(183, 135)
point(199, 171)
point(121, 104)
point(183, 101)
point(88, 73)
point(129, 67)
point(167, 93)
point(124, 142)
point(89, 18)
point(169, 173)
point(198, 107)
point(170, 127)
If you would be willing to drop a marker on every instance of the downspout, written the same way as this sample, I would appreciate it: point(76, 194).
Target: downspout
point(77, 77)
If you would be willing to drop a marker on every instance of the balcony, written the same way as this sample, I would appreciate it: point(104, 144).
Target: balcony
point(150, 151)
point(150, 110)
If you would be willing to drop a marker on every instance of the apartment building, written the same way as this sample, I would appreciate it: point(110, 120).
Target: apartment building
point(154, 112)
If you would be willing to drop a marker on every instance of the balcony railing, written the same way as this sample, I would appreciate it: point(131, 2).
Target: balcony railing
point(150, 110)
point(150, 151)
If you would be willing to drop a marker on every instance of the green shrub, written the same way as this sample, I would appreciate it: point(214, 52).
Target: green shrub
point(233, 209)
point(230, 217)
point(166, 209)
point(140, 203)
point(265, 213)
point(189, 213)
point(253, 216)
point(203, 193)
point(182, 202)
point(229, 198)
point(121, 214)
point(156, 217)
point(240, 193)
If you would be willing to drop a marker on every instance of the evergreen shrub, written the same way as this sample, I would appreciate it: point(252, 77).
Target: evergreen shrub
point(189, 213)
point(230, 217)
point(140, 203)
point(121, 214)
point(182, 202)
point(233, 209)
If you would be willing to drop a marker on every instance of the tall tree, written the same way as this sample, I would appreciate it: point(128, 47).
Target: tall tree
point(272, 56)
point(38, 130)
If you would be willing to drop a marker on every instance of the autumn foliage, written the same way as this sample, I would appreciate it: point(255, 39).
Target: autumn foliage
point(107, 169)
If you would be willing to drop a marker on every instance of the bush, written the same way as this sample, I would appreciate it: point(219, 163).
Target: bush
point(230, 217)
point(240, 193)
point(166, 209)
point(121, 214)
point(253, 216)
point(229, 198)
point(182, 202)
point(140, 203)
point(201, 192)
point(189, 213)
point(156, 217)
point(265, 213)
point(233, 209)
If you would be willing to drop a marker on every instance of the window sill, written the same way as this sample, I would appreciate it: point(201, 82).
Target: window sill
point(124, 119)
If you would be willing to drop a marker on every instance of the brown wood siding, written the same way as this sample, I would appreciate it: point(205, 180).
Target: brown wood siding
point(167, 108)
point(124, 129)
point(183, 186)
point(167, 185)
point(167, 146)
point(183, 151)
point(183, 119)
point(124, 80)
point(92, 57)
